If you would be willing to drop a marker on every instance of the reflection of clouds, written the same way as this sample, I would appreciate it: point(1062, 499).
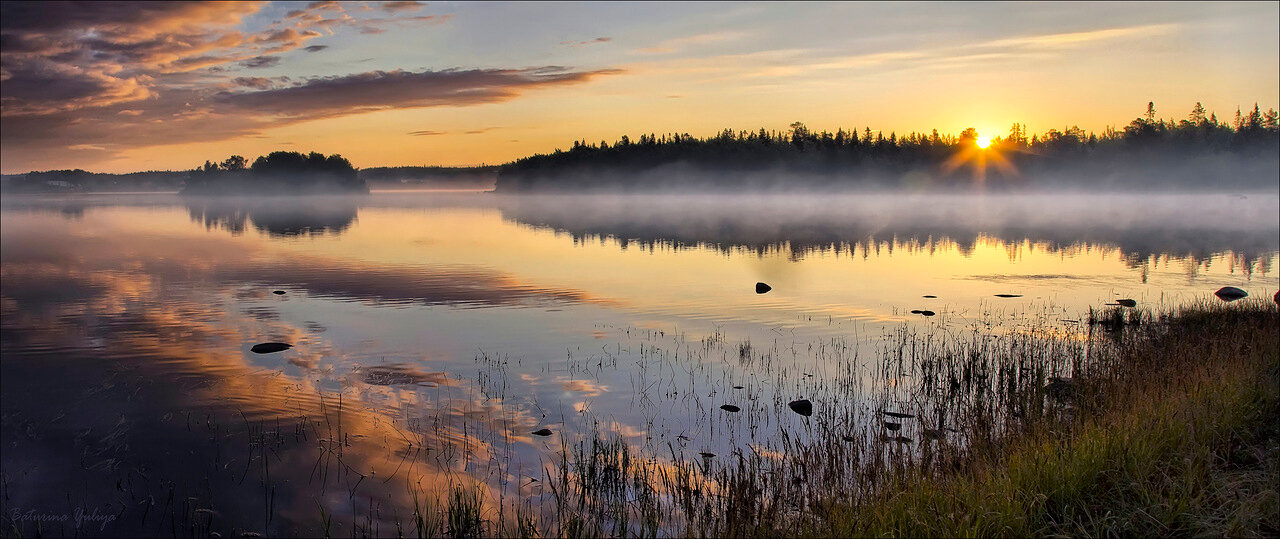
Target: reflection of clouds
point(586, 387)
point(219, 260)
point(184, 351)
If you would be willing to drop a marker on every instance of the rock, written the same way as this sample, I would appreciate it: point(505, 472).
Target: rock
point(1008, 295)
point(762, 288)
point(1230, 293)
point(278, 292)
point(892, 426)
point(930, 297)
point(1126, 303)
point(899, 415)
point(802, 407)
point(737, 387)
point(916, 311)
point(927, 313)
point(1060, 389)
point(706, 455)
point(542, 432)
point(269, 347)
point(730, 408)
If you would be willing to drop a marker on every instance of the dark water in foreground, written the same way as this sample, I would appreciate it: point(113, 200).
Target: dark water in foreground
point(433, 333)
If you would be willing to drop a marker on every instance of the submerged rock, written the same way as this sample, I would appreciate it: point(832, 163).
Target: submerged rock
point(762, 288)
point(278, 292)
point(730, 408)
point(802, 407)
point(1127, 303)
point(1008, 295)
point(1230, 293)
point(542, 432)
point(269, 347)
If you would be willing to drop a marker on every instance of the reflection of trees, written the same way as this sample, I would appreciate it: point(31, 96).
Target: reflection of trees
point(310, 216)
point(799, 226)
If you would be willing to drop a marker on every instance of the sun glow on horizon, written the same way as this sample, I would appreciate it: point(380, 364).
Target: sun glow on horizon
point(983, 141)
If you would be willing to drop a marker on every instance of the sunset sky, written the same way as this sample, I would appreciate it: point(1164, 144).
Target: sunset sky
point(116, 87)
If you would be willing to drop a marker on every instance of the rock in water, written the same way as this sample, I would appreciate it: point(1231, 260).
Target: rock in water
point(1127, 302)
point(930, 296)
point(802, 407)
point(762, 288)
point(269, 347)
point(278, 292)
point(1230, 293)
point(899, 415)
point(730, 408)
point(706, 455)
point(893, 426)
point(916, 311)
point(1008, 295)
point(927, 313)
point(542, 432)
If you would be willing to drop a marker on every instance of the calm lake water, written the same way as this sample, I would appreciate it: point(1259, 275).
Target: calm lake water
point(433, 333)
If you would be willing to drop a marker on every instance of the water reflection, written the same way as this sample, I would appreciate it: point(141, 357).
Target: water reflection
point(277, 216)
point(1142, 226)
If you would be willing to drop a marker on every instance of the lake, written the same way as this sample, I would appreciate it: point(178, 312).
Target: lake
point(433, 333)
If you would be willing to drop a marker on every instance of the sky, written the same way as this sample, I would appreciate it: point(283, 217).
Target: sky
point(120, 86)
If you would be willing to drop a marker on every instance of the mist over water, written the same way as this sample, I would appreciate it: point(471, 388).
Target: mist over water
point(433, 333)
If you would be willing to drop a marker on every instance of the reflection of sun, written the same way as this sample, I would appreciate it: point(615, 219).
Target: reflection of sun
point(983, 141)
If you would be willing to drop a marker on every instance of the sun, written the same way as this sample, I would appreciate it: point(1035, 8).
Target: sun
point(983, 141)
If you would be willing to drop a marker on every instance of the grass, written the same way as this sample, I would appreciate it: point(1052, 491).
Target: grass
point(1176, 435)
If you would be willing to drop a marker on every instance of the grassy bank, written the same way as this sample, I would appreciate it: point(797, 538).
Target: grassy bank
point(1175, 435)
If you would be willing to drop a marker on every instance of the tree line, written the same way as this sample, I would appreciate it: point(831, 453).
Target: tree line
point(276, 172)
point(1198, 143)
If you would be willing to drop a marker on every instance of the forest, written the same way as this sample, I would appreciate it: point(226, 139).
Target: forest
point(1147, 153)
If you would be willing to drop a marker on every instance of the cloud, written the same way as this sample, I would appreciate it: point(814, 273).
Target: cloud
point(315, 48)
point(587, 42)
point(379, 90)
point(260, 62)
point(680, 43)
point(1072, 39)
point(393, 7)
point(427, 133)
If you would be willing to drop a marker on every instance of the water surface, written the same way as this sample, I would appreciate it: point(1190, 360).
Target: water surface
point(432, 333)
